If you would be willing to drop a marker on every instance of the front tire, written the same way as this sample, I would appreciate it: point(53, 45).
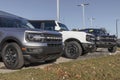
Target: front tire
point(72, 50)
point(12, 56)
point(112, 49)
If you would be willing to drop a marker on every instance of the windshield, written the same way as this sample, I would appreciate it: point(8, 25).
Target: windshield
point(95, 31)
point(63, 27)
point(44, 25)
point(24, 24)
point(29, 25)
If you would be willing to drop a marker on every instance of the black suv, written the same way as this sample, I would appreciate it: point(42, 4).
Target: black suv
point(102, 38)
point(118, 42)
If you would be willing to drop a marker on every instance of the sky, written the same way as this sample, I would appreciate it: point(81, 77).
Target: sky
point(104, 12)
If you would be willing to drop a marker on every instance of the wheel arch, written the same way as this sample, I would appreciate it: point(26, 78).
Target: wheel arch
point(8, 40)
point(73, 39)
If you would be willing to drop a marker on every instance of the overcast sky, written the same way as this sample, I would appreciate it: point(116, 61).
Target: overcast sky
point(105, 12)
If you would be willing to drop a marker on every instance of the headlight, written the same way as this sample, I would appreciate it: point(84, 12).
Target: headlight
point(98, 38)
point(90, 38)
point(115, 39)
point(33, 37)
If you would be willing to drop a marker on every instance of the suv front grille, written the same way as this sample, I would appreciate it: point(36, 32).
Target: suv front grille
point(108, 39)
point(49, 38)
point(53, 40)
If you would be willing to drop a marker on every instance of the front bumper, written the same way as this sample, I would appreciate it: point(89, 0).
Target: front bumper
point(38, 54)
point(87, 47)
point(103, 44)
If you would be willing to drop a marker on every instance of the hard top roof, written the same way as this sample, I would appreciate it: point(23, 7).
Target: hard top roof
point(6, 14)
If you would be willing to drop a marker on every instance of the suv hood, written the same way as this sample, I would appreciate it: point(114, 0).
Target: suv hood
point(78, 33)
point(29, 30)
point(73, 32)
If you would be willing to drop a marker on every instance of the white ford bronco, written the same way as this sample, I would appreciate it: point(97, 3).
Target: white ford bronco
point(76, 43)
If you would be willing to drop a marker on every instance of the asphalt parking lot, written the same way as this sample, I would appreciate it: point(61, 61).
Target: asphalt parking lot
point(98, 53)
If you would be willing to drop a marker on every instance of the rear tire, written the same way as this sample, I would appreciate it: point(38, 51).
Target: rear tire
point(112, 49)
point(12, 56)
point(72, 50)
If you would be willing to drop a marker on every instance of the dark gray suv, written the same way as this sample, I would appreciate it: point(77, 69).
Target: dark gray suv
point(20, 43)
point(103, 39)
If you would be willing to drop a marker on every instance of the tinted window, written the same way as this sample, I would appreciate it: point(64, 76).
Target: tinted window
point(63, 27)
point(95, 31)
point(36, 24)
point(7, 22)
point(44, 25)
point(13, 23)
point(49, 26)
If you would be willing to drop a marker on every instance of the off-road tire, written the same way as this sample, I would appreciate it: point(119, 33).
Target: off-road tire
point(72, 50)
point(12, 56)
point(112, 49)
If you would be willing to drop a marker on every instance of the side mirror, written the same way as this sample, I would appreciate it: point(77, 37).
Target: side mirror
point(108, 34)
point(57, 28)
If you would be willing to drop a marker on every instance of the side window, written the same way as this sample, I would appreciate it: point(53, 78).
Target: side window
point(7, 22)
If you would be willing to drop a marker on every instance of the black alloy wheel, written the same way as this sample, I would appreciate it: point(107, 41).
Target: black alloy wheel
point(72, 50)
point(112, 49)
point(12, 56)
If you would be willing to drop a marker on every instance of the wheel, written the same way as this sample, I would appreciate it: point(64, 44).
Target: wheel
point(72, 50)
point(12, 56)
point(112, 49)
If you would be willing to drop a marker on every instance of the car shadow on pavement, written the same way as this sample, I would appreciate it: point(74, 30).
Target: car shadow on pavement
point(37, 64)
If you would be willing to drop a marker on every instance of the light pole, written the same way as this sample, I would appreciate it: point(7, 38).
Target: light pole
point(117, 27)
point(83, 10)
point(58, 10)
point(91, 21)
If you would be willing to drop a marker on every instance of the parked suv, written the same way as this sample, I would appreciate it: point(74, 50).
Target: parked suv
point(103, 39)
point(76, 43)
point(118, 42)
point(20, 42)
